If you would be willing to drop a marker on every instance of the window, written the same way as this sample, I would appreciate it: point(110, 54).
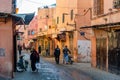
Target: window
point(57, 20)
point(49, 26)
point(47, 16)
point(28, 32)
point(32, 32)
point(98, 7)
point(40, 29)
point(71, 14)
point(116, 4)
point(63, 18)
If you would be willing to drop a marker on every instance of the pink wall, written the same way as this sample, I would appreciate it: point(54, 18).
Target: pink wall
point(6, 42)
point(6, 6)
point(33, 26)
point(24, 36)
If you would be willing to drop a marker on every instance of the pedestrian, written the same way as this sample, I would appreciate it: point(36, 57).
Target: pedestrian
point(66, 51)
point(57, 54)
point(19, 49)
point(23, 46)
point(47, 52)
point(34, 57)
point(39, 49)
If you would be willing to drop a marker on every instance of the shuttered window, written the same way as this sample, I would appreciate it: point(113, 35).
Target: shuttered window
point(98, 7)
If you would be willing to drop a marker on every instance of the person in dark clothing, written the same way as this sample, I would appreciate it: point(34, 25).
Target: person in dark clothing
point(57, 54)
point(34, 57)
point(39, 49)
point(23, 46)
point(19, 49)
point(47, 52)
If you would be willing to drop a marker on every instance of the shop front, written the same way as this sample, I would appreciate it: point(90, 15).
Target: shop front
point(106, 47)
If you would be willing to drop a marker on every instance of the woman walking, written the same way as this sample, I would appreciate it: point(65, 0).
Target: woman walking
point(34, 57)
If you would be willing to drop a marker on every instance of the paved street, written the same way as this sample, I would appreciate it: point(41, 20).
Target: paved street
point(85, 70)
point(51, 71)
point(47, 72)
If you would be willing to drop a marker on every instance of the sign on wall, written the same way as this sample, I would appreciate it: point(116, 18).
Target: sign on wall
point(84, 50)
point(2, 52)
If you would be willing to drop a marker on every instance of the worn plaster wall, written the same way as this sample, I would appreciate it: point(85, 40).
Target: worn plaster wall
point(6, 49)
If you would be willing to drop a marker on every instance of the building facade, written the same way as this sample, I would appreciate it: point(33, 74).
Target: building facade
point(60, 26)
point(7, 38)
point(70, 16)
point(105, 36)
point(46, 30)
point(32, 32)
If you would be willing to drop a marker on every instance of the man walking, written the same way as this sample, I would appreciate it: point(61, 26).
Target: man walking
point(19, 49)
point(66, 51)
point(57, 54)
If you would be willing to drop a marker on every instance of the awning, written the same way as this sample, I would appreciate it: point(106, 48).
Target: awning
point(103, 25)
point(23, 19)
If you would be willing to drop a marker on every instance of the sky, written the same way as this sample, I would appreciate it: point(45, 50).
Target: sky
point(29, 6)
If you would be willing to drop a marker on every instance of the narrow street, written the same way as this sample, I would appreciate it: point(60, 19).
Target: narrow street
point(51, 71)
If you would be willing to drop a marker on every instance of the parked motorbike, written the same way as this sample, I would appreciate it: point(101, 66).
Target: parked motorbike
point(22, 64)
point(70, 59)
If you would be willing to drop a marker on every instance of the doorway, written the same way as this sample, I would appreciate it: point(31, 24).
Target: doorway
point(101, 53)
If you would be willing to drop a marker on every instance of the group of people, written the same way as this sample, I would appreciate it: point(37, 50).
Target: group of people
point(35, 58)
point(66, 53)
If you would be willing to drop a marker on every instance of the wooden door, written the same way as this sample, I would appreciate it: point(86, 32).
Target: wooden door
point(101, 54)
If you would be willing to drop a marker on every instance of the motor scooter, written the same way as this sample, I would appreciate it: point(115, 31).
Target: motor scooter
point(22, 64)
